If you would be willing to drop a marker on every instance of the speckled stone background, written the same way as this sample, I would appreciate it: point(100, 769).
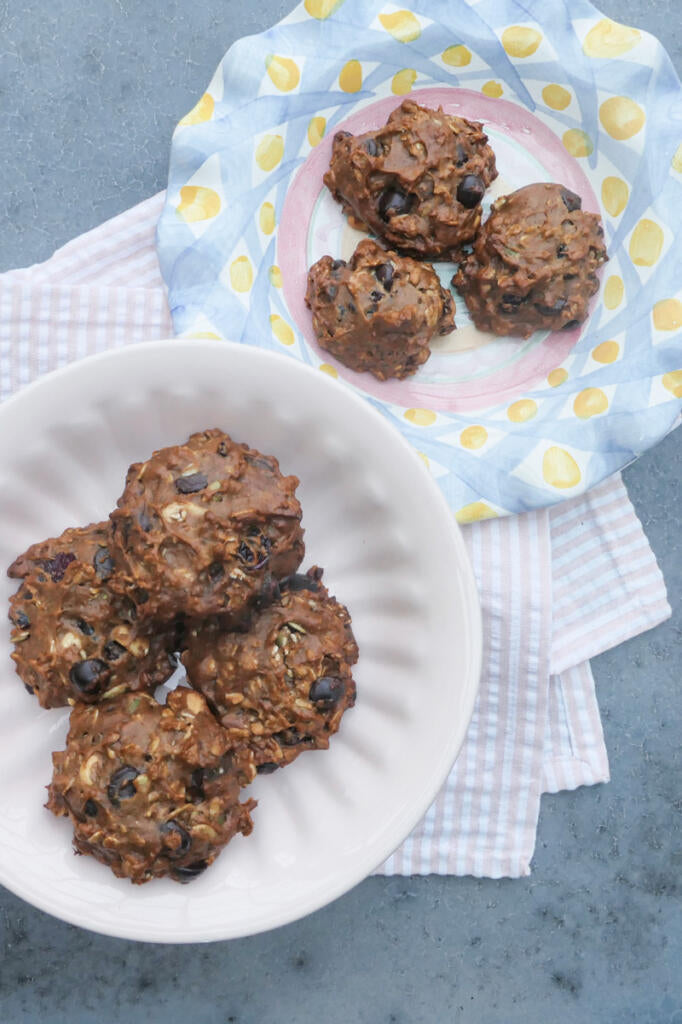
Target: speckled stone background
point(89, 95)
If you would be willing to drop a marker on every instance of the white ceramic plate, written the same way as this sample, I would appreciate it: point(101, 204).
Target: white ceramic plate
point(392, 552)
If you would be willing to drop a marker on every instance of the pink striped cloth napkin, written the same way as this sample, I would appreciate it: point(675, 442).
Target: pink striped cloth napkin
point(557, 586)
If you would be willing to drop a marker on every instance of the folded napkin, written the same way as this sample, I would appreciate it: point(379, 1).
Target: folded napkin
point(557, 586)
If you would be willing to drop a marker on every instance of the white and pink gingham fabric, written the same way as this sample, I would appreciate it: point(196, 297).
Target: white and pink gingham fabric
point(557, 586)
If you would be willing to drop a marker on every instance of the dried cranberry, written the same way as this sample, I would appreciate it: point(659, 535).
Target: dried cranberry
point(57, 566)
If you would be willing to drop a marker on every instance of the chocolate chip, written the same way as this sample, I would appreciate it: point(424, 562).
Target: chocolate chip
point(326, 692)
point(89, 677)
point(570, 325)
point(113, 650)
point(470, 191)
point(371, 147)
point(21, 621)
point(90, 808)
point(299, 581)
point(121, 784)
point(552, 310)
point(562, 252)
point(195, 790)
point(267, 768)
point(191, 484)
point(337, 264)
point(375, 296)
point(222, 449)
point(29, 689)
point(189, 872)
point(144, 521)
point(461, 155)
point(85, 627)
point(341, 134)
point(571, 200)
point(393, 201)
point(57, 566)
point(103, 563)
point(291, 738)
point(245, 554)
point(352, 308)
point(172, 828)
point(384, 274)
point(331, 291)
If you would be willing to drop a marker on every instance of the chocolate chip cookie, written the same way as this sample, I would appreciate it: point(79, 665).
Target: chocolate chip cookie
point(534, 262)
point(379, 311)
point(150, 789)
point(283, 686)
point(417, 183)
point(200, 524)
point(75, 639)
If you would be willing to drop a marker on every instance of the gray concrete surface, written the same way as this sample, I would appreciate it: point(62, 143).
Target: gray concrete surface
point(89, 94)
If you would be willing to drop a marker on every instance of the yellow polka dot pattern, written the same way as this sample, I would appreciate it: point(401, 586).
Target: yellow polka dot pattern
point(350, 76)
point(331, 371)
point(474, 512)
point(646, 243)
point(577, 142)
point(556, 97)
point(473, 437)
point(269, 152)
point(321, 9)
point(275, 275)
point(668, 315)
point(521, 40)
point(676, 162)
point(673, 382)
point(555, 378)
point(403, 81)
point(281, 330)
point(241, 274)
point(492, 89)
point(614, 289)
point(283, 71)
point(456, 56)
point(607, 352)
point(610, 39)
point(316, 129)
point(203, 111)
point(424, 458)
point(198, 203)
point(524, 409)
point(559, 468)
point(266, 218)
point(621, 117)
point(420, 417)
point(590, 402)
point(402, 25)
point(614, 195)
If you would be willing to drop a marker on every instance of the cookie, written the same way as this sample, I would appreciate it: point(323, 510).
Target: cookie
point(88, 544)
point(200, 524)
point(283, 686)
point(150, 789)
point(417, 183)
point(77, 640)
point(379, 311)
point(534, 262)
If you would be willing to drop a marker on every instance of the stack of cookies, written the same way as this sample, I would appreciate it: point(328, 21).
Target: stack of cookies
point(198, 563)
